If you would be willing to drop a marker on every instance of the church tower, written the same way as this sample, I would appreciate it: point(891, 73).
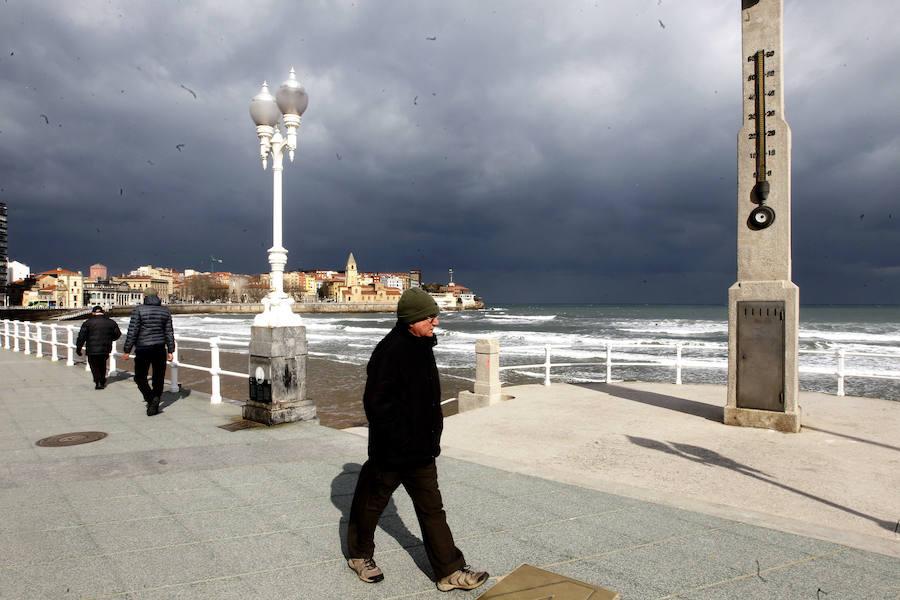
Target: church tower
point(350, 274)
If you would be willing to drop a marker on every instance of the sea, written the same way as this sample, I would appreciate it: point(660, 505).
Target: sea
point(578, 334)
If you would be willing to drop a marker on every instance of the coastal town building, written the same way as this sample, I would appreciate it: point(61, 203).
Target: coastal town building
point(4, 275)
point(107, 294)
point(16, 271)
point(98, 272)
point(164, 285)
point(58, 288)
point(61, 288)
point(359, 287)
point(454, 295)
point(18, 289)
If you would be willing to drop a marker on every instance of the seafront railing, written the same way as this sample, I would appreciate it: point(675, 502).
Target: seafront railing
point(675, 359)
point(40, 339)
point(33, 338)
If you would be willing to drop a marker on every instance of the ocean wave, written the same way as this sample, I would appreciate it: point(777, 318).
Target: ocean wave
point(674, 328)
point(507, 319)
point(850, 336)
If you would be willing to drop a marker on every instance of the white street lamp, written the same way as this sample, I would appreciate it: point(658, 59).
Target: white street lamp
point(288, 104)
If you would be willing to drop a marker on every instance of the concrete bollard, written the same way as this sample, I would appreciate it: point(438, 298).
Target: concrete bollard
point(487, 377)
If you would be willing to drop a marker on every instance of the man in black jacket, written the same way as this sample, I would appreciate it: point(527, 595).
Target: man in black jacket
point(150, 333)
point(402, 400)
point(98, 333)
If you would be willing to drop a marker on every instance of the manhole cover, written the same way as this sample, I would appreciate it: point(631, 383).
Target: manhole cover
point(71, 439)
point(239, 425)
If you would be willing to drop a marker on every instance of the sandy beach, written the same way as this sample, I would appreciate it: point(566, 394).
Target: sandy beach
point(336, 387)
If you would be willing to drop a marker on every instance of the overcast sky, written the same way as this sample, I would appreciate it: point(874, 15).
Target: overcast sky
point(546, 151)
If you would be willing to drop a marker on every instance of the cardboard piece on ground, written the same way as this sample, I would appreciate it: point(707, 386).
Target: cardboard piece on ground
point(531, 583)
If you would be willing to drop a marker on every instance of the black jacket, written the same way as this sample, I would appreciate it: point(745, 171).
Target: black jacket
point(403, 401)
point(97, 334)
point(150, 325)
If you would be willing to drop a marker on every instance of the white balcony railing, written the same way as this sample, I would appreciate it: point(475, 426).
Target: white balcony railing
point(32, 338)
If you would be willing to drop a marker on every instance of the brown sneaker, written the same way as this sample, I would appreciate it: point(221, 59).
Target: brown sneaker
point(464, 579)
point(366, 568)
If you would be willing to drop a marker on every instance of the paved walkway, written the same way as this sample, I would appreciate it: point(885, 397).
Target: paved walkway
point(175, 506)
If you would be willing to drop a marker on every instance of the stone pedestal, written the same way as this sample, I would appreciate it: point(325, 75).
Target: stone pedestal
point(487, 377)
point(762, 395)
point(278, 359)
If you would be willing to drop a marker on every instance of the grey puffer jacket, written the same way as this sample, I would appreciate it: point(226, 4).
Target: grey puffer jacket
point(150, 325)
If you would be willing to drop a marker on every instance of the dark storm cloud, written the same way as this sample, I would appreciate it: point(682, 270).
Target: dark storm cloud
point(546, 151)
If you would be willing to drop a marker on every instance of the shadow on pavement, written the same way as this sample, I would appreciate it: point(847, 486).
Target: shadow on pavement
point(711, 457)
point(682, 405)
point(852, 437)
point(169, 398)
point(119, 376)
point(342, 487)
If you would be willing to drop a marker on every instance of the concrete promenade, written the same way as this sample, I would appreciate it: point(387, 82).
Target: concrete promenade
point(632, 487)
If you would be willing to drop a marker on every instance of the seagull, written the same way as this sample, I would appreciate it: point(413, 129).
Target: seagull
point(431, 38)
point(46, 118)
point(179, 146)
point(193, 93)
point(661, 24)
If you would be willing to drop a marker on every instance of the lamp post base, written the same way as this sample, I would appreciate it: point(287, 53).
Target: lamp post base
point(278, 358)
point(277, 312)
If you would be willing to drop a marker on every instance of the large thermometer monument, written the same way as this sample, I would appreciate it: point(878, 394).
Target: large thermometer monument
point(763, 306)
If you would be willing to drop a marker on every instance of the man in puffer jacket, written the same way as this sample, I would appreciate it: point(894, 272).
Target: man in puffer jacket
point(97, 333)
point(403, 405)
point(150, 333)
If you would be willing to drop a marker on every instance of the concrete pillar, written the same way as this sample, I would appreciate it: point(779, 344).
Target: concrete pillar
point(763, 305)
point(278, 360)
point(487, 377)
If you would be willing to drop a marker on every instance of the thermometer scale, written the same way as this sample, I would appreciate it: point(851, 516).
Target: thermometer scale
point(762, 216)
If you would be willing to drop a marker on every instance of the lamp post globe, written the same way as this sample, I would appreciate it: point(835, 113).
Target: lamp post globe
point(266, 112)
point(264, 108)
point(291, 96)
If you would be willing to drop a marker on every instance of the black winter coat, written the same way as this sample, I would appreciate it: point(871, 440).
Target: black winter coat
point(97, 334)
point(403, 401)
point(150, 325)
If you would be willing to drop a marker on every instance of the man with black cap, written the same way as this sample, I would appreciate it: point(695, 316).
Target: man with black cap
point(402, 401)
point(150, 333)
point(98, 333)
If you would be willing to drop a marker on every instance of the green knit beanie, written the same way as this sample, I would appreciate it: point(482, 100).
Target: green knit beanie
point(416, 304)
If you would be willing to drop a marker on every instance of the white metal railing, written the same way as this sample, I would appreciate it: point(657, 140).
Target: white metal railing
point(679, 364)
point(30, 338)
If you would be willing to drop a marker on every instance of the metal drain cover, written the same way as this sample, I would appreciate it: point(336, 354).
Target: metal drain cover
point(239, 425)
point(71, 439)
point(530, 583)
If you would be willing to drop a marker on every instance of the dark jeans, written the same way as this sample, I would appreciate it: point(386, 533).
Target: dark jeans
point(373, 491)
point(98, 367)
point(144, 359)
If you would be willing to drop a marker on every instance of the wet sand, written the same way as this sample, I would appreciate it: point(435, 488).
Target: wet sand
point(337, 388)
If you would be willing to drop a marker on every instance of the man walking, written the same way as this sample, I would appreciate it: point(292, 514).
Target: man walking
point(402, 401)
point(150, 333)
point(98, 333)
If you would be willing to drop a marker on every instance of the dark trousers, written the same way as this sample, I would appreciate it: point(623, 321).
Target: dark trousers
point(98, 367)
point(373, 491)
point(144, 359)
